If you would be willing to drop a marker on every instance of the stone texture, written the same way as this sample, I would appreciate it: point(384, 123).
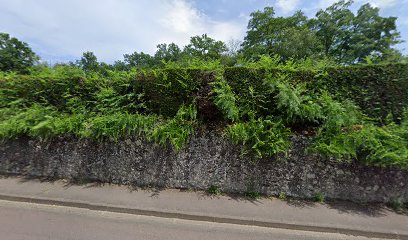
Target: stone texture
point(208, 160)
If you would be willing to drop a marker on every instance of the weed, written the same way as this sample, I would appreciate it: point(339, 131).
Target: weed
point(396, 204)
point(214, 190)
point(253, 195)
point(319, 197)
point(282, 196)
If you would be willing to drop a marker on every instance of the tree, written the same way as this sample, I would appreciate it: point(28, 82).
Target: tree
point(89, 62)
point(120, 65)
point(373, 35)
point(288, 37)
point(140, 60)
point(350, 38)
point(234, 47)
point(15, 55)
point(333, 27)
point(335, 33)
point(205, 47)
point(165, 52)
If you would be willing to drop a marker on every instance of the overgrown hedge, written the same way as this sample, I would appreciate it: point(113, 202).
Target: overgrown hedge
point(258, 107)
point(378, 90)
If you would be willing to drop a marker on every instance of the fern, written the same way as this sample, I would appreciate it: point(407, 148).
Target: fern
point(176, 131)
point(224, 99)
point(365, 142)
point(260, 137)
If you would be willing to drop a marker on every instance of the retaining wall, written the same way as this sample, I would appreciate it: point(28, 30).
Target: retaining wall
point(208, 160)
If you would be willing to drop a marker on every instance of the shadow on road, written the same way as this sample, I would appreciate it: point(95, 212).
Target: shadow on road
point(347, 207)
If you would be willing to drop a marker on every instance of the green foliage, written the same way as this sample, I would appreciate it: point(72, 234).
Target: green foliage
point(166, 90)
point(205, 47)
point(260, 137)
point(318, 197)
point(369, 144)
point(262, 101)
point(288, 37)
point(282, 196)
point(108, 101)
point(45, 122)
point(29, 122)
point(89, 62)
point(15, 55)
point(224, 99)
point(377, 89)
point(214, 190)
point(293, 100)
point(167, 52)
point(118, 125)
point(396, 204)
point(176, 131)
point(253, 195)
point(335, 33)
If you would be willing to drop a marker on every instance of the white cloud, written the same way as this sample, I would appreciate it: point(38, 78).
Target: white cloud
point(322, 4)
point(59, 28)
point(287, 6)
point(379, 3)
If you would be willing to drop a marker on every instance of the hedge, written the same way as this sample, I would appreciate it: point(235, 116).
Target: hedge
point(258, 108)
point(378, 89)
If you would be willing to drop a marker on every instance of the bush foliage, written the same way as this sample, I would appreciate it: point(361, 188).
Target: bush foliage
point(352, 113)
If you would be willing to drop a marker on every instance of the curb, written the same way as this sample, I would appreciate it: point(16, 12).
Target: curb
point(163, 214)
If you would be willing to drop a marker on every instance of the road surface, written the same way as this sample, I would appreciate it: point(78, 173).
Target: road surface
point(28, 221)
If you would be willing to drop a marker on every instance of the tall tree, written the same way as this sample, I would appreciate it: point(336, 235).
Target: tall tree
point(333, 26)
point(170, 52)
point(15, 55)
point(140, 60)
point(205, 47)
point(88, 62)
point(373, 35)
point(350, 38)
point(288, 37)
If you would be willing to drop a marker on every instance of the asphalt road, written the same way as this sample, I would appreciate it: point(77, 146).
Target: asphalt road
point(26, 221)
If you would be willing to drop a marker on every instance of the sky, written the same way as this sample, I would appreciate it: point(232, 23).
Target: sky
point(61, 30)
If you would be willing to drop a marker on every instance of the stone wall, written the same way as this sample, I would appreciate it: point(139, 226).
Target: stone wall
point(208, 160)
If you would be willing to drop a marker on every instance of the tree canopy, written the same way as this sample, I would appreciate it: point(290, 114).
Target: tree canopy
point(15, 55)
point(335, 32)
